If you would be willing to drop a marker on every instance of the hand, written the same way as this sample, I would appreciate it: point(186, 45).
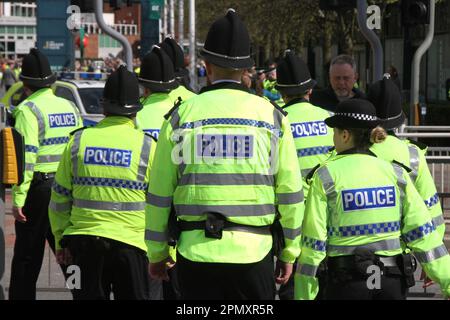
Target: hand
point(63, 257)
point(283, 272)
point(158, 270)
point(426, 281)
point(18, 214)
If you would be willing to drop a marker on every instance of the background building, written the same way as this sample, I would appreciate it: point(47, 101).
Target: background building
point(17, 28)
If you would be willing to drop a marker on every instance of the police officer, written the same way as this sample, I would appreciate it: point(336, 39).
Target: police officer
point(269, 90)
point(98, 200)
point(313, 139)
point(221, 172)
point(384, 94)
point(358, 208)
point(158, 78)
point(45, 122)
point(386, 97)
point(176, 55)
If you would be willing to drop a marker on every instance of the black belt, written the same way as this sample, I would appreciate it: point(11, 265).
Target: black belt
point(348, 262)
point(224, 225)
point(43, 175)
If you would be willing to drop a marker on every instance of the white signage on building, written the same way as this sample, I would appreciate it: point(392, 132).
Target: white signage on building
point(24, 46)
point(52, 45)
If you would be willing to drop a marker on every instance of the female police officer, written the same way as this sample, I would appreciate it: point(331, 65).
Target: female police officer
point(359, 207)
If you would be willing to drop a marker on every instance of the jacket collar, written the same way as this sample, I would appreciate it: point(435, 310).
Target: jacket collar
point(225, 85)
point(116, 120)
point(356, 151)
point(295, 101)
point(41, 92)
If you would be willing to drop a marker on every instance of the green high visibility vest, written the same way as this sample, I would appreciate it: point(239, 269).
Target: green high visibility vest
point(150, 118)
point(181, 92)
point(270, 86)
point(348, 208)
point(230, 152)
point(313, 138)
point(413, 157)
point(101, 183)
point(45, 121)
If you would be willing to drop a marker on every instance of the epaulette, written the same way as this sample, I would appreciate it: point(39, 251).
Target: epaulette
point(149, 135)
point(311, 173)
point(422, 146)
point(175, 106)
point(276, 106)
point(79, 129)
point(408, 169)
point(331, 149)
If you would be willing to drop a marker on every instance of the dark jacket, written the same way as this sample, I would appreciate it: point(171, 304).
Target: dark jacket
point(327, 99)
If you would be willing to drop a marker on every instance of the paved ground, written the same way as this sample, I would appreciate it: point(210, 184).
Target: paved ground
point(51, 284)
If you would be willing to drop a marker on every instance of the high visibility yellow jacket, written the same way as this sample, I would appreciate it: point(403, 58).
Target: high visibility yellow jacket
point(271, 93)
point(151, 117)
point(45, 121)
point(313, 138)
point(348, 209)
point(230, 152)
point(181, 92)
point(101, 183)
point(410, 155)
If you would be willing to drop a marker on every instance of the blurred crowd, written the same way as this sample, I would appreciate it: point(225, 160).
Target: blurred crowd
point(106, 65)
point(9, 72)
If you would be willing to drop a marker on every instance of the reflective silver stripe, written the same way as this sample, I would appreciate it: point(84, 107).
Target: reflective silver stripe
point(431, 255)
point(305, 172)
point(330, 190)
point(175, 120)
point(109, 206)
point(277, 119)
point(307, 270)
point(414, 162)
point(156, 236)
point(274, 139)
point(256, 210)
point(40, 119)
point(74, 152)
point(157, 201)
point(224, 179)
point(292, 233)
point(294, 85)
point(439, 220)
point(225, 56)
point(290, 198)
point(143, 162)
point(401, 182)
point(29, 166)
point(60, 207)
point(48, 158)
point(383, 245)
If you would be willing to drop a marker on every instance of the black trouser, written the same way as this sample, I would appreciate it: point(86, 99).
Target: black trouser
point(171, 291)
point(30, 241)
point(350, 285)
point(109, 266)
point(286, 291)
point(226, 281)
